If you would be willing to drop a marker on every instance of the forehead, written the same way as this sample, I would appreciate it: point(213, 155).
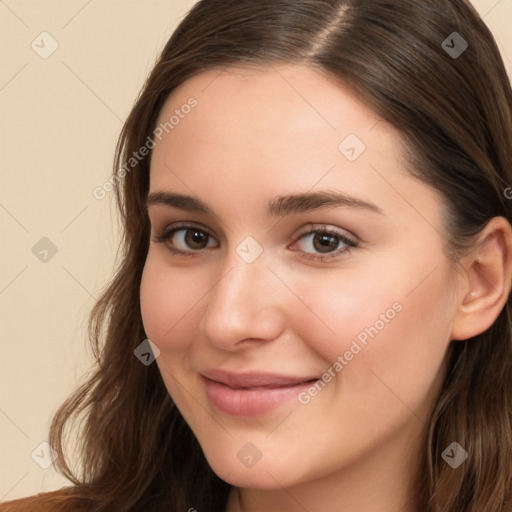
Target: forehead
point(276, 105)
point(255, 133)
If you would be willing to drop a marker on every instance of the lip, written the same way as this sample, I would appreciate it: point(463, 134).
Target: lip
point(250, 394)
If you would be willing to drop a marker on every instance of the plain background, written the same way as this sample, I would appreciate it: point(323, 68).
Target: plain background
point(60, 119)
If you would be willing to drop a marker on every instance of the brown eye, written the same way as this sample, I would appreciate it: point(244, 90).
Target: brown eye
point(186, 239)
point(195, 238)
point(324, 244)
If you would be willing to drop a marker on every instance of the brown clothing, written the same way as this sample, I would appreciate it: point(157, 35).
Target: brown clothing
point(44, 502)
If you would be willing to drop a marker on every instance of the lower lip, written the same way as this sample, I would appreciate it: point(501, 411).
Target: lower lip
point(250, 402)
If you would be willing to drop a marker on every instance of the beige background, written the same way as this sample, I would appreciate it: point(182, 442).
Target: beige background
point(60, 118)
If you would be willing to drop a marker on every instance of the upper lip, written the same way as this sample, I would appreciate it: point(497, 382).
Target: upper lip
point(253, 379)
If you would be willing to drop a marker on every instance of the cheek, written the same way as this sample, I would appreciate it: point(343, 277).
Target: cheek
point(388, 328)
point(338, 310)
point(401, 366)
point(168, 298)
point(421, 335)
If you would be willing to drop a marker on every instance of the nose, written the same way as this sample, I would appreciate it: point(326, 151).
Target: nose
point(245, 305)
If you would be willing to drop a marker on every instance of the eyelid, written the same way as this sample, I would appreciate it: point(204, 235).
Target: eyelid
point(321, 227)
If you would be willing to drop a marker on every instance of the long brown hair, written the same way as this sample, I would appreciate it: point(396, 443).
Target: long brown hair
point(453, 108)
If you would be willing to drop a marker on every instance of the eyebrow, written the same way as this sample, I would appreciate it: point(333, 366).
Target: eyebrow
point(279, 206)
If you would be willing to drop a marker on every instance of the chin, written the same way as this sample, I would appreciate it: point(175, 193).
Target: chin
point(268, 473)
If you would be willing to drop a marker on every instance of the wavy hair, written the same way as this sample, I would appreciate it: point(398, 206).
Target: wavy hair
point(454, 113)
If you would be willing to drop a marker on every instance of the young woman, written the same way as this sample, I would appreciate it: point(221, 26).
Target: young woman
point(317, 242)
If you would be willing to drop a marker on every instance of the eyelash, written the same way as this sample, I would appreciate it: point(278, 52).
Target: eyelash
point(167, 233)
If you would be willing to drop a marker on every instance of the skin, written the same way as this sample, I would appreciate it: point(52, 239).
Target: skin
point(264, 132)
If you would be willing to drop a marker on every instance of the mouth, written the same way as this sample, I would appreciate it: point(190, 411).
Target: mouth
point(251, 394)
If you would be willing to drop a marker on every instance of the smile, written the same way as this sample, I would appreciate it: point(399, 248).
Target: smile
point(251, 400)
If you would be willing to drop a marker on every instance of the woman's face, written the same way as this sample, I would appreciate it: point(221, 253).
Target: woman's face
point(345, 286)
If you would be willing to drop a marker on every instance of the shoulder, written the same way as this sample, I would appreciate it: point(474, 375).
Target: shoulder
point(46, 502)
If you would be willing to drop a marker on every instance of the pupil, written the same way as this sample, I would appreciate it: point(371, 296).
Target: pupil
point(196, 238)
point(327, 242)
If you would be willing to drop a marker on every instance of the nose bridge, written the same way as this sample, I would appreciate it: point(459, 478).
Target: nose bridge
point(242, 303)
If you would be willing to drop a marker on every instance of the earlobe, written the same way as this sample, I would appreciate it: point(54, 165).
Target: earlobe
point(486, 280)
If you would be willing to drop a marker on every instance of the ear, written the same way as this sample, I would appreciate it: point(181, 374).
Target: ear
point(486, 275)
